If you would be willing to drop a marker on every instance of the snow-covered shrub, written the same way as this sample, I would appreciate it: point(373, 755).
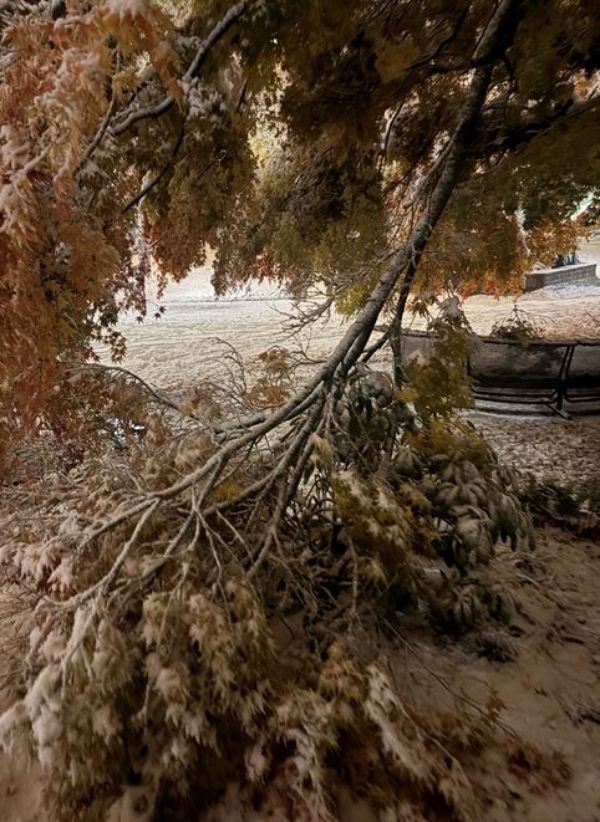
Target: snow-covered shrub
point(413, 484)
point(427, 523)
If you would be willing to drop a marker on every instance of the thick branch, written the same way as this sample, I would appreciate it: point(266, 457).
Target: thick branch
point(463, 136)
point(217, 33)
point(329, 380)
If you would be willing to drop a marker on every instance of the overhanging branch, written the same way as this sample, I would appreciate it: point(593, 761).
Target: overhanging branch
point(216, 34)
point(317, 400)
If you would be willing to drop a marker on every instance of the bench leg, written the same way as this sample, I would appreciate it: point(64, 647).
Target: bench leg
point(557, 409)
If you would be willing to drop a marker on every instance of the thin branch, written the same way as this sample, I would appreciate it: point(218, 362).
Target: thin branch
point(102, 129)
point(118, 369)
point(147, 188)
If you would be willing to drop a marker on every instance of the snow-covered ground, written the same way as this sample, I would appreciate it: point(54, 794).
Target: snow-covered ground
point(186, 343)
point(551, 448)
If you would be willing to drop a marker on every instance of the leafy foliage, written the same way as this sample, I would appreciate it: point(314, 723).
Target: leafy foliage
point(299, 141)
point(165, 652)
point(517, 326)
point(199, 592)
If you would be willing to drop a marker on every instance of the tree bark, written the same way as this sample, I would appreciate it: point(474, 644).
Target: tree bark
point(491, 45)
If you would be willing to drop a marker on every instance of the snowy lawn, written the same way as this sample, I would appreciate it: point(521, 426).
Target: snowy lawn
point(186, 345)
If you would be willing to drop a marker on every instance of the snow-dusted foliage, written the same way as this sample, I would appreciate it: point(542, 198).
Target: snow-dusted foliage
point(199, 580)
point(190, 634)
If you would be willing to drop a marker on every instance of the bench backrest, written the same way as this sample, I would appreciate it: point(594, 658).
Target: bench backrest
point(569, 370)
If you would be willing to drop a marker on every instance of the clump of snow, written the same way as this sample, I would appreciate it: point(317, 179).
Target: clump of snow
point(127, 8)
point(205, 101)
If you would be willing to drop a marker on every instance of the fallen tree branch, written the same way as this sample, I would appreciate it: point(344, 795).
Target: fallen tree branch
point(328, 383)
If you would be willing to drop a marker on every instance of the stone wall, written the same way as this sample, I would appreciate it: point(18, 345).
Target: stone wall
point(580, 274)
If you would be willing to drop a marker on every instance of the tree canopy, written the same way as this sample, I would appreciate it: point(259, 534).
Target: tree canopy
point(300, 141)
